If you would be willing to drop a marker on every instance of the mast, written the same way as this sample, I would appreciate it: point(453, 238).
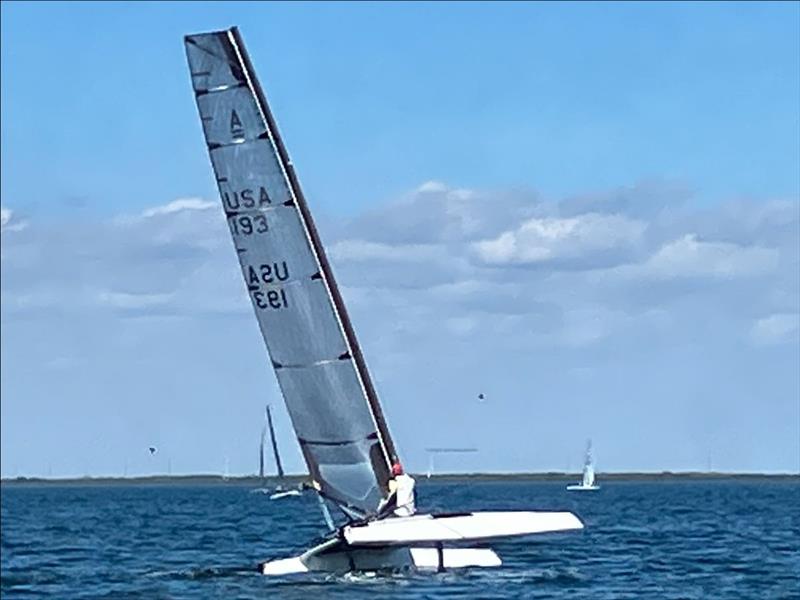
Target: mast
point(274, 444)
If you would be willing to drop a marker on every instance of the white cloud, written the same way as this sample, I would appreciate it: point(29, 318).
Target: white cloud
point(460, 325)
point(133, 301)
point(360, 250)
point(432, 186)
point(541, 240)
point(690, 257)
point(583, 327)
point(6, 216)
point(776, 329)
point(179, 205)
point(436, 213)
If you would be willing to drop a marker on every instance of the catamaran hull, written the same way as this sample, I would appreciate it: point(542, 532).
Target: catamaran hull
point(393, 558)
point(582, 488)
point(286, 494)
point(417, 542)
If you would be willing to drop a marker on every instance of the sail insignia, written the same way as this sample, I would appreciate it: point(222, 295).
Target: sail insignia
point(319, 366)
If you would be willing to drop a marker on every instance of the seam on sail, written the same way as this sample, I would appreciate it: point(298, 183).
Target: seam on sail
point(214, 145)
point(371, 436)
point(260, 137)
point(316, 363)
point(220, 88)
point(252, 211)
point(278, 284)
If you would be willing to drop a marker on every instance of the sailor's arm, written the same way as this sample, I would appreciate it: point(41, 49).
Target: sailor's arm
point(392, 486)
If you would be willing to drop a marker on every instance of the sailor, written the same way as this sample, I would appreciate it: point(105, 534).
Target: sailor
point(402, 495)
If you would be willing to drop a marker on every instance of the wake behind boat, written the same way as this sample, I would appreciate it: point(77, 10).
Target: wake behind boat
point(313, 349)
point(587, 484)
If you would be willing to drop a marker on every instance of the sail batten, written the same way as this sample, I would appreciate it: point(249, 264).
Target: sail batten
point(310, 340)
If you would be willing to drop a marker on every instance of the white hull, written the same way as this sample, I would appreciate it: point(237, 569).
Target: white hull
point(391, 544)
point(286, 494)
point(582, 488)
point(426, 529)
point(344, 559)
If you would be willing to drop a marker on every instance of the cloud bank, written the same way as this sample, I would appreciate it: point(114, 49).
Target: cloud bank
point(632, 316)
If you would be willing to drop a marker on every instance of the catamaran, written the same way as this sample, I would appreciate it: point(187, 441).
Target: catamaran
point(588, 482)
point(320, 368)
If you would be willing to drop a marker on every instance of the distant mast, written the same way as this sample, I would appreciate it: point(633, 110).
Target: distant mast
point(274, 443)
point(261, 453)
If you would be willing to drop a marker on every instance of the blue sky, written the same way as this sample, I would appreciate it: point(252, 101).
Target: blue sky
point(589, 212)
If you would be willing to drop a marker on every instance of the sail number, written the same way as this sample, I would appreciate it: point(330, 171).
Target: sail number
point(267, 273)
point(247, 225)
point(269, 299)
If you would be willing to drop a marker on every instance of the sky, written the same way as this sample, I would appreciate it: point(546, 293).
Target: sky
point(589, 213)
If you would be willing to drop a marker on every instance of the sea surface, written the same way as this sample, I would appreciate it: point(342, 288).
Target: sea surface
point(697, 539)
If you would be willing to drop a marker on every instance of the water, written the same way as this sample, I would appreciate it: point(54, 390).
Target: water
point(713, 539)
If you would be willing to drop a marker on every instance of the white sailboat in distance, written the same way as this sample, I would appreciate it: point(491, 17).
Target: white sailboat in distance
point(434, 451)
point(321, 371)
point(588, 482)
point(279, 492)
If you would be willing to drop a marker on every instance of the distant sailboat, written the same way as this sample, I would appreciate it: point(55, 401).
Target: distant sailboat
point(433, 451)
point(280, 492)
point(588, 482)
point(261, 472)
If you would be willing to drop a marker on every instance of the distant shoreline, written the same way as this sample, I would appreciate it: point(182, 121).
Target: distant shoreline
point(251, 480)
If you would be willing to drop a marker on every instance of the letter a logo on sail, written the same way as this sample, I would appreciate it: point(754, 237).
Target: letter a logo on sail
point(237, 129)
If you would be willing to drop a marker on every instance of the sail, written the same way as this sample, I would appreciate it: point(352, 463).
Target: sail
point(588, 476)
point(278, 464)
point(319, 366)
point(588, 467)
